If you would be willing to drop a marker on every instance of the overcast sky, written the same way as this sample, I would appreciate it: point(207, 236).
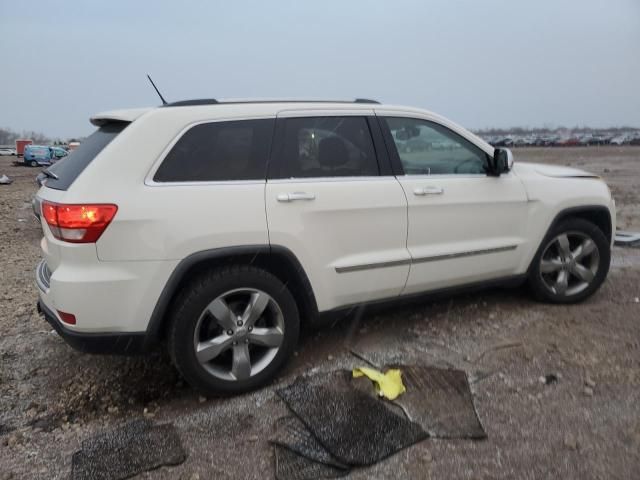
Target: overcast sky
point(489, 63)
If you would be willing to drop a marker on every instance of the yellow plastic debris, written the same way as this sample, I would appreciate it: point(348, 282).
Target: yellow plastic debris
point(388, 384)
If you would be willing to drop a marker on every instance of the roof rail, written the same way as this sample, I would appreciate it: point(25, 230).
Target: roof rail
point(213, 101)
point(366, 100)
point(185, 103)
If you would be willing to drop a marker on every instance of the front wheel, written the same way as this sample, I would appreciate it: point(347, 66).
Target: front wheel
point(232, 329)
point(571, 263)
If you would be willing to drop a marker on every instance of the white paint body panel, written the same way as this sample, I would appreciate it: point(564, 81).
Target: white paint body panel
point(473, 214)
point(113, 285)
point(350, 223)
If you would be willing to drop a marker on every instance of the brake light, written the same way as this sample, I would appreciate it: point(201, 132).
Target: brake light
point(78, 223)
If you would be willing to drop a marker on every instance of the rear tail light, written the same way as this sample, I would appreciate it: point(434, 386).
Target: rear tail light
point(78, 223)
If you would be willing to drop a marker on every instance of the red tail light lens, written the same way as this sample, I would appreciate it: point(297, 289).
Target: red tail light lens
point(69, 318)
point(78, 223)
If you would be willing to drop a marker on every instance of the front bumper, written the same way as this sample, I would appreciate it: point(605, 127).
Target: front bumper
point(105, 343)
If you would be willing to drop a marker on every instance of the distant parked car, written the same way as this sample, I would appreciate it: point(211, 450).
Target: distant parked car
point(569, 142)
point(7, 151)
point(504, 142)
point(619, 140)
point(59, 152)
point(599, 140)
point(39, 155)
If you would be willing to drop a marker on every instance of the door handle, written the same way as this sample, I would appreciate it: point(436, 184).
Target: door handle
point(428, 191)
point(291, 197)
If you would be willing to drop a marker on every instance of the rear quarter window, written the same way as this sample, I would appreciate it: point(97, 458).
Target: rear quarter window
point(219, 151)
point(71, 166)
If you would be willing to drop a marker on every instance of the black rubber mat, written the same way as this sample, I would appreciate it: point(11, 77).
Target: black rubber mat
point(354, 427)
point(294, 435)
point(126, 451)
point(291, 466)
point(440, 400)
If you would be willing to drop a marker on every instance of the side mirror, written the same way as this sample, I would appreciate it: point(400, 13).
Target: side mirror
point(502, 161)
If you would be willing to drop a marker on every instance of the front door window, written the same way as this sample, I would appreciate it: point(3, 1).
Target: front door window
point(427, 148)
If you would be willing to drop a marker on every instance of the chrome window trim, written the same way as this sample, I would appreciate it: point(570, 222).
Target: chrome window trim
point(444, 176)
point(375, 178)
point(204, 183)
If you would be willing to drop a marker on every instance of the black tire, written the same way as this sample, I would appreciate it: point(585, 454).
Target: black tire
point(574, 227)
point(33, 163)
point(193, 300)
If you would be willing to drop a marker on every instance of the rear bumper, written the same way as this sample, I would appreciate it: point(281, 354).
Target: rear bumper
point(105, 343)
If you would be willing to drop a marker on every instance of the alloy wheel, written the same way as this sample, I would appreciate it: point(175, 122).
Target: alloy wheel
point(569, 263)
point(238, 334)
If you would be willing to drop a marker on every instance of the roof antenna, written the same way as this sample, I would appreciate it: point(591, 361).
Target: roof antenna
point(164, 102)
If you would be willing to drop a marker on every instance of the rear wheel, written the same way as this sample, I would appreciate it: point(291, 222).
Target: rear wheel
point(232, 329)
point(571, 263)
point(33, 163)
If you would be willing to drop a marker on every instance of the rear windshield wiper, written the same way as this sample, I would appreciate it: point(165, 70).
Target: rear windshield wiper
point(50, 174)
point(43, 175)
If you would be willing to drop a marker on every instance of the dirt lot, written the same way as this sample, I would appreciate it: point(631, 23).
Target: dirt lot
point(585, 425)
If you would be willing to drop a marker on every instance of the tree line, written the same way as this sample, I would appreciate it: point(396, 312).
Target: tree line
point(8, 137)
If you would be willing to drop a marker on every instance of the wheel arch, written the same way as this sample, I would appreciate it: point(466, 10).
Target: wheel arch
point(277, 260)
point(599, 215)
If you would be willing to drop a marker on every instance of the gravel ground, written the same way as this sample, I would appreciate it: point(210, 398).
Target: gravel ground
point(586, 424)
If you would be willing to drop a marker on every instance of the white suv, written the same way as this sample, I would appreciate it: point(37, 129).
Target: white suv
point(219, 228)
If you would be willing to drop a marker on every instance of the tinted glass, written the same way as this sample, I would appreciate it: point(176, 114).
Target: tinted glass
point(219, 151)
point(426, 148)
point(326, 147)
point(72, 165)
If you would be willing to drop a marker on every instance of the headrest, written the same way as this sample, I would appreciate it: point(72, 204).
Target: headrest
point(332, 152)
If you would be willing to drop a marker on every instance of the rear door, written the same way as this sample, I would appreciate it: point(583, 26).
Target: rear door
point(332, 200)
point(464, 225)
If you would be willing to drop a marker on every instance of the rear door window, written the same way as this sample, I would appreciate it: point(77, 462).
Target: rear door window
point(219, 151)
point(68, 168)
point(316, 147)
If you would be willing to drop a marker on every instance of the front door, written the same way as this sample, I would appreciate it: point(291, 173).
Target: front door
point(464, 225)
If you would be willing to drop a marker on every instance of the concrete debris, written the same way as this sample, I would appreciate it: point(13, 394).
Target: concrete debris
point(627, 239)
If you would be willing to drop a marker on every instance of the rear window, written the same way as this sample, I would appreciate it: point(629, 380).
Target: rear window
point(219, 151)
point(72, 165)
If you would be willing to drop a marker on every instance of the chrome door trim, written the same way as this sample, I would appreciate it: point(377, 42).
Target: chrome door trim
point(369, 266)
point(431, 258)
point(448, 256)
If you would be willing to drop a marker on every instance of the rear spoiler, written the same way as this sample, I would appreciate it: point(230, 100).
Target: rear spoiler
point(128, 116)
